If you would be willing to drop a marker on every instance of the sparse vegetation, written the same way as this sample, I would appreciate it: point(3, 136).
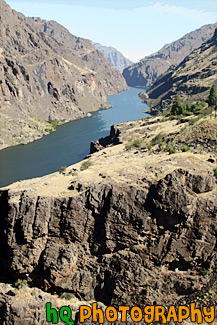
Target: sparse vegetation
point(101, 106)
point(170, 148)
point(215, 172)
point(48, 130)
point(185, 148)
point(212, 99)
point(62, 169)
point(149, 146)
point(177, 107)
point(180, 109)
point(20, 283)
point(158, 139)
point(161, 145)
point(86, 164)
point(205, 272)
point(54, 123)
point(133, 143)
point(194, 120)
point(67, 295)
point(36, 126)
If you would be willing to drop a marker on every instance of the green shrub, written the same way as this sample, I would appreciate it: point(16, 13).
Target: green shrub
point(170, 148)
point(198, 107)
point(134, 143)
point(48, 130)
point(205, 272)
point(187, 113)
point(20, 283)
point(62, 169)
point(188, 107)
point(172, 118)
point(101, 106)
point(177, 106)
point(53, 123)
point(86, 164)
point(185, 148)
point(158, 139)
point(149, 146)
point(161, 145)
point(215, 172)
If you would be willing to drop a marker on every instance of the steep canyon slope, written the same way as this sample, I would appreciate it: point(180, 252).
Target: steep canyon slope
point(115, 57)
point(47, 74)
point(191, 79)
point(147, 70)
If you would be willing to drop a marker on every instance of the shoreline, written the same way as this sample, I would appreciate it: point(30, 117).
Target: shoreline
point(71, 143)
point(43, 134)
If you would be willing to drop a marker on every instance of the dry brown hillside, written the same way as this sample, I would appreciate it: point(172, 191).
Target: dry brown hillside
point(146, 71)
point(47, 72)
point(191, 79)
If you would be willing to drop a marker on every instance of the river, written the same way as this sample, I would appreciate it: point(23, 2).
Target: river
point(70, 143)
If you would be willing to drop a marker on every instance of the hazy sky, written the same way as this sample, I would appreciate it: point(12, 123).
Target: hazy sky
point(135, 27)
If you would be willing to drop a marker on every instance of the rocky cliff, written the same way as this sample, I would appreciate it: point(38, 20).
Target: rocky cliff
point(47, 74)
point(115, 57)
point(131, 225)
point(147, 70)
point(191, 79)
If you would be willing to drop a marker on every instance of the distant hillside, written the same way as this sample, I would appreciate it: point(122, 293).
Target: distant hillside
point(147, 70)
point(47, 74)
point(191, 79)
point(116, 58)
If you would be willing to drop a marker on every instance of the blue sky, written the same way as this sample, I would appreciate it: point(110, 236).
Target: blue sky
point(135, 27)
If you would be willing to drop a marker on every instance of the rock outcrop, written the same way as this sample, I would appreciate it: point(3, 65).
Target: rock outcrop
point(137, 227)
point(114, 243)
point(47, 73)
point(145, 72)
point(115, 57)
point(112, 139)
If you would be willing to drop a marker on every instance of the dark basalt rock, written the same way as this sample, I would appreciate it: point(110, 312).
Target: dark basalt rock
point(113, 243)
point(112, 139)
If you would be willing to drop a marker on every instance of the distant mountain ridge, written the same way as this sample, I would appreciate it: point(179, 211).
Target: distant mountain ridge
point(191, 79)
point(115, 57)
point(147, 70)
point(47, 73)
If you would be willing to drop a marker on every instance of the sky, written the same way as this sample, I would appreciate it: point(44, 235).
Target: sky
point(135, 27)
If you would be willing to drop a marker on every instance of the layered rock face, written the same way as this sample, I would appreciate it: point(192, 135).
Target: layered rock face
point(115, 57)
point(191, 79)
point(114, 243)
point(47, 72)
point(147, 70)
